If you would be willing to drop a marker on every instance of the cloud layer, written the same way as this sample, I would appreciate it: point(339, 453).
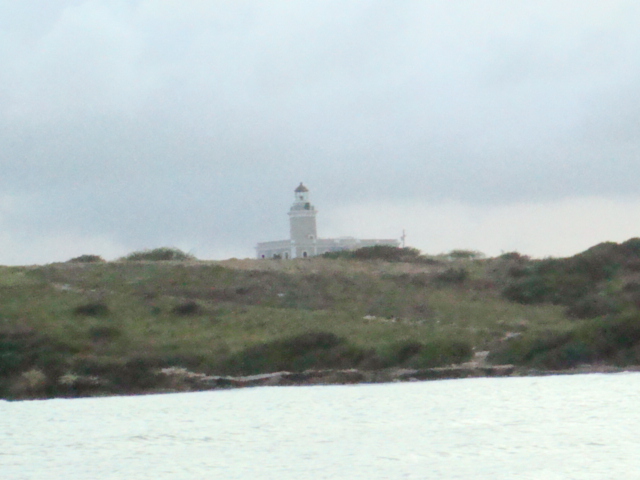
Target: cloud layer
point(133, 124)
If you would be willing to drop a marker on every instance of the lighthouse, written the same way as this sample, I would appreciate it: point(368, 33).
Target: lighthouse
point(303, 239)
point(302, 221)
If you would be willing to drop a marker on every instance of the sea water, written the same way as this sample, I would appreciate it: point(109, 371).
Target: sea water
point(557, 427)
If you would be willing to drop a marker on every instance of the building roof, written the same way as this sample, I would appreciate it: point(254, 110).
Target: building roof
point(301, 188)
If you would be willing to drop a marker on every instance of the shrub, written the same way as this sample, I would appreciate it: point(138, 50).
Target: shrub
point(131, 374)
point(87, 259)
point(613, 340)
point(594, 305)
point(437, 353)
point(434, 353)
point(160, 254)
point(632, 246)
point(419, 279)
point(399, 353)
point(527, 290)
point(187, 308)
point(568, 355)
point(93, 309)
point(465, 254)
point(387, 252)
point(24, 349)
point(452, 276)
point(610, 336)
point(514, 256)
point(339, 254)
point(527, 349)
point(104, 333)
point(631, 293)
point(582, 283)
point(299, 353)
point(135, 373)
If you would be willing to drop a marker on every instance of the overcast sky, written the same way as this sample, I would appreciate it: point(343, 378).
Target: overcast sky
point(488, 125)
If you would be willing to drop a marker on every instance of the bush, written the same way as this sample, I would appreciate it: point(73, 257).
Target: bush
point(632, 246)
point(434, 353)
point(378, 252)
point(527, 349)
point(159, 254)
point(313, 350)
point(594, 305)
point(465, 254)
point(104, 333)
point(439, 353)
point(400, 353)
point(24, 349)
point(568, 355)
point(452, 276)
point(122, 375)
point(419, 279)
point(631, 293)
point(131, 374)
point(614, 340)
point(527, 290)
point(582, 283)
point(514, 256)
point(187, 308)
point(610, 336)
point(94, 309)
point(387, 253)
point(87, 259)
point(348, 254)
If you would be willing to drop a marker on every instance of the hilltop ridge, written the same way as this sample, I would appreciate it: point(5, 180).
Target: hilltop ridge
point(90, 327)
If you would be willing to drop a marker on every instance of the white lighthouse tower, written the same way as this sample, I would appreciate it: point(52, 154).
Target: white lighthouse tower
point(302, 220)
point(303, 241)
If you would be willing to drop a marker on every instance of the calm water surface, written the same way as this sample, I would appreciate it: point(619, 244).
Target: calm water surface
point(565, 427)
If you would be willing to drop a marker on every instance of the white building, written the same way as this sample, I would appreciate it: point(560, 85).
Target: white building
point(304, 241)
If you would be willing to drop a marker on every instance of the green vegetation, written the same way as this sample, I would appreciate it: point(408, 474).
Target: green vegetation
point(469, 254)
point(600, 281)
point(87, 259)
point(601, 341)
point(159, 255)
point(88, 327)
point(382, 252)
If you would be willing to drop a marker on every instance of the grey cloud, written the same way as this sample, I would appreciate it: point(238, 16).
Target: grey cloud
point(151, 121)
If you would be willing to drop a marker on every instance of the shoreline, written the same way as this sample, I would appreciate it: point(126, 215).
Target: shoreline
point(185, 378)
point(181, 380)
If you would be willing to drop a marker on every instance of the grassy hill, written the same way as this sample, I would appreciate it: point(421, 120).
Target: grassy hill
point(93, 327)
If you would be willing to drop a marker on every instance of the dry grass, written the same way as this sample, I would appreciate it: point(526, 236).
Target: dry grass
point(248, 301)
point(236, 305)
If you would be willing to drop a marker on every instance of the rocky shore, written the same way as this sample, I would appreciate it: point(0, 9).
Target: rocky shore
point(180, 379)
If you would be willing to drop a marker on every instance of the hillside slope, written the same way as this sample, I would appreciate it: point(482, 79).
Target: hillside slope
point(90, 327)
